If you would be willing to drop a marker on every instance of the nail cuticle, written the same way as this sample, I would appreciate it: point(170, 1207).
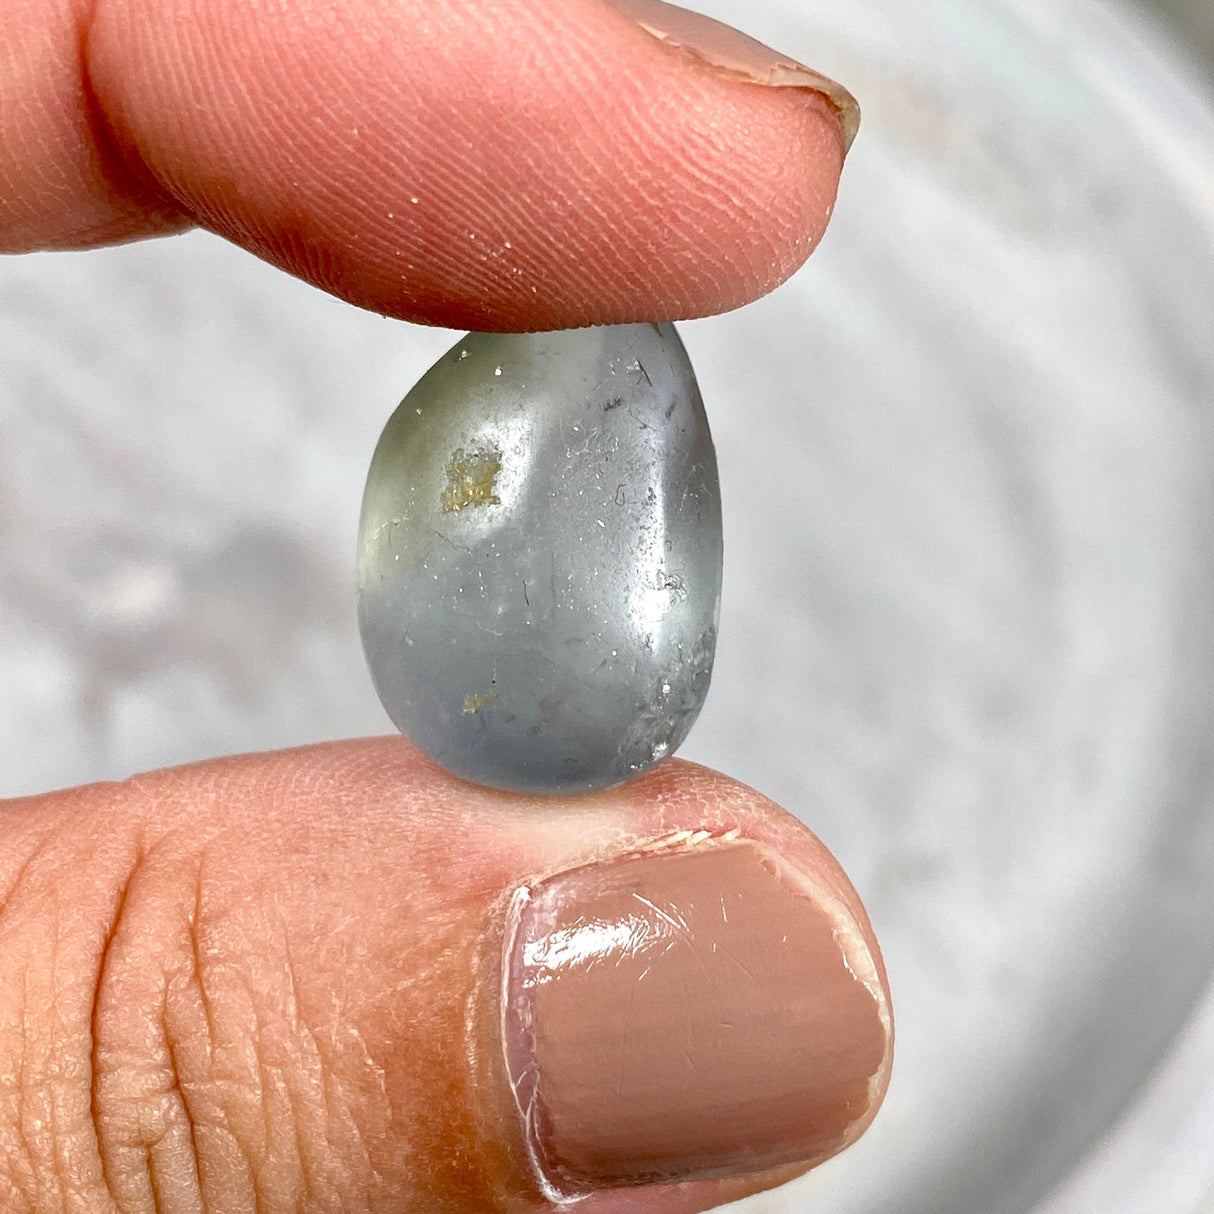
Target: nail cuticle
point(695, 1008)
point(732, 53)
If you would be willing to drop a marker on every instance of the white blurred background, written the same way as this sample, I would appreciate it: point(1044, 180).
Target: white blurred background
point(968, 629)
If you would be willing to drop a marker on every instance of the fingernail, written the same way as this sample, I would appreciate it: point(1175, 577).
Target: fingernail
point(729, 50)
point(689, 1013)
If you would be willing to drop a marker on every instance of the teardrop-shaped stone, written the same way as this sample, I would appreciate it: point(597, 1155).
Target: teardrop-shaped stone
point(539, 564)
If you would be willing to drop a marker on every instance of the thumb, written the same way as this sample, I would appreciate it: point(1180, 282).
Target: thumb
point(336, 979)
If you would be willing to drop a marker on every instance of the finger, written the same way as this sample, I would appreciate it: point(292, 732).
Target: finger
point(338, 979)
point(520, 164)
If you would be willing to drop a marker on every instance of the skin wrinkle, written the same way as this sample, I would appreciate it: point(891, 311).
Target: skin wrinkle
point(175, 1046)
point(332, 1110)
point(56, 1143)
point(125, 179)
point(52, 1064)
point(156, 975)
point(12, 1199)
point(132, 1121)
point(57, 1078)
point(193, 921)
point(24, 1088)
point(269, 1175)
point(276, 1176)
point(288, 1094)
point(334, 1097)
point(211, 1086)
point(103, 961)
point(189, 1163)
point(20, 876)
point(257, 1125)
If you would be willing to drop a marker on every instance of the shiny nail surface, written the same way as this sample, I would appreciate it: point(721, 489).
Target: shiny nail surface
point(728, 50)
point(687, 1013)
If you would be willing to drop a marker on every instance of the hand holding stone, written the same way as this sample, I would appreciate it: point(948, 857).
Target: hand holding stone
point(338, 979)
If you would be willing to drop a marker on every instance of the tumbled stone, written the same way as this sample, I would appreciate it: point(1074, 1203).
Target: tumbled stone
point(539, 563)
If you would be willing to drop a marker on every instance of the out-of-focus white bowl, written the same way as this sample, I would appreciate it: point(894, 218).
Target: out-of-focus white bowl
point(968, 463)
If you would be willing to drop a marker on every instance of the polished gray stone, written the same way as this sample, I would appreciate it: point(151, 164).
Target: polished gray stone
point(539, 563)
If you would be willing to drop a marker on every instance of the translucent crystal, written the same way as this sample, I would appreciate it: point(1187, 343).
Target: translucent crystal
point(539, 563)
